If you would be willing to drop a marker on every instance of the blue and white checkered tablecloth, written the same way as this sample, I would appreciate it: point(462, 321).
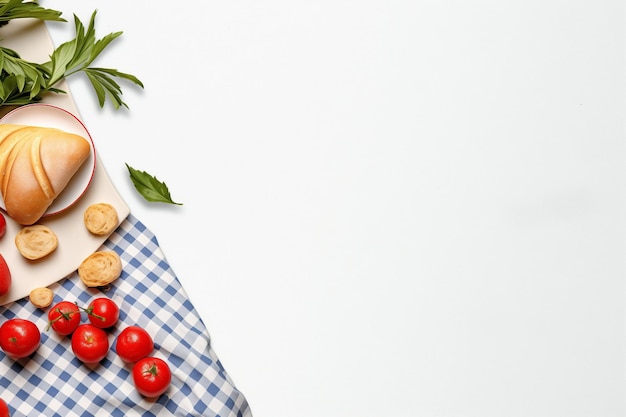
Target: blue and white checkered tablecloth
point(52, 382)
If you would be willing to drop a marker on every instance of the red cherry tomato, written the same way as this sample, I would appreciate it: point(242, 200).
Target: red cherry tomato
point(19, 338)
point(90, 344)
point(3, 229)
point(103, 312)
point(133, 343)
point(5, 276)
point(4, 409)
point(151, 376)
point(64, 317)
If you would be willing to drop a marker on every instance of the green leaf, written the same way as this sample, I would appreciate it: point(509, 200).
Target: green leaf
point(21, 81)
point(100, 45)
point(36, 88)
point(150, 187)
point(60, 59)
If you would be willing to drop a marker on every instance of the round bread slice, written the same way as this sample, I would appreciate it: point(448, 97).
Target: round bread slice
point(36, 241)
point(100, 219)
point(41, 297)
point(100, 269)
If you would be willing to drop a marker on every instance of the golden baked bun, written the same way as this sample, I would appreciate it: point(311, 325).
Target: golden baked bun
point(36, 164)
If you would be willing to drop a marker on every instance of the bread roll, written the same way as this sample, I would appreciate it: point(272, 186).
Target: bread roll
point(36, 164)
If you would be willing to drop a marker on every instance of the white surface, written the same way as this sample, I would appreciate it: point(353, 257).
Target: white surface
point(402, 208)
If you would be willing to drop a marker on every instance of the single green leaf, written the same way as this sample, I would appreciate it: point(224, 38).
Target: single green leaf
point(8, 85)
point(150, 187)
point(21, 81)
point(13, 67)
point(60, 59)
point(36, 88)
point(100, 45)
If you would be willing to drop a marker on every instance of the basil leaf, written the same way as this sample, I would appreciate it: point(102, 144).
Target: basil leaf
point(150, 187)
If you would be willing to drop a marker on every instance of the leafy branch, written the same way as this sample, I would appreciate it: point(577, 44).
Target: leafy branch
point(23, 82)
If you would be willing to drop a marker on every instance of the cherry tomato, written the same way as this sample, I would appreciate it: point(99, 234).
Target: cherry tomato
point(4, 409)
point(64, 317)
point(103, 312)
point(151, 376)
point(5, 276)
point(90, 344)
point(133, 343)
point(19, 338)
point(3, 227)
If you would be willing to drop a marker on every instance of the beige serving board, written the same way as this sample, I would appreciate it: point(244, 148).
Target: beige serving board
point(30, 38)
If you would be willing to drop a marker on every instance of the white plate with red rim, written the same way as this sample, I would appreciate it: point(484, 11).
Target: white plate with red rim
point(47, 115)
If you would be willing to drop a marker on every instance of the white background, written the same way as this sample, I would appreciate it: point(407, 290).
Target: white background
point(398, 208)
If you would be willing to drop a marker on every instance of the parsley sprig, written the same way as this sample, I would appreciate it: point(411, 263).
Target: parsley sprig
point(24, 82)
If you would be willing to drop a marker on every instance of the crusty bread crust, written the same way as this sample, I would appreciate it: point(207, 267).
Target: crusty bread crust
point(36, 164)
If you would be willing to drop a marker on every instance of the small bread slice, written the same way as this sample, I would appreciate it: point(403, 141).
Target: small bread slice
point(41, 297)
point(100, 269)
point(36, 241)
point(100, 218)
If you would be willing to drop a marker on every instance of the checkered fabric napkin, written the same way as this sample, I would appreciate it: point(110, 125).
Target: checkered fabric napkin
point(52, 382)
